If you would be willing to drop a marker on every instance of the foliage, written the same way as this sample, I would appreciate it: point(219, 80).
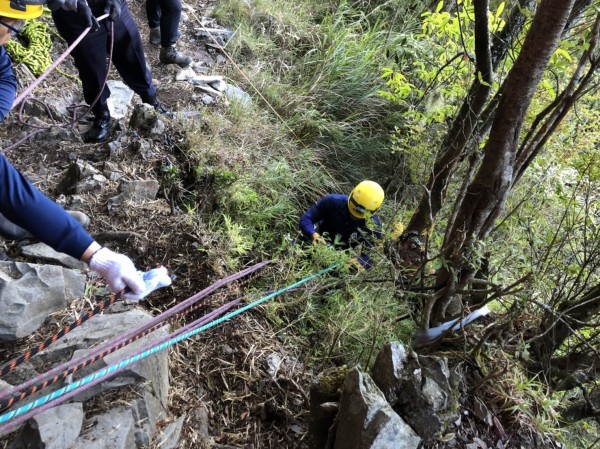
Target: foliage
point(342, 318)
point(344, 91)
point(524, 403)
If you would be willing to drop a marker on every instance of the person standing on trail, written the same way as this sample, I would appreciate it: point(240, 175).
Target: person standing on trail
point(26, 206)
point(346, 220)
point(119, 34)
point(164, 17)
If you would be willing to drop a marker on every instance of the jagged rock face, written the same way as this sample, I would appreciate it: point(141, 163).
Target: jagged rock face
point(417, 387)
point(128, 427)
point(31, 292)
point(56, 428)
point(367, 421)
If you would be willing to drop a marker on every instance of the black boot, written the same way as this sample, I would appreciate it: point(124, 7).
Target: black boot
point(100, 128)
point(153, 101)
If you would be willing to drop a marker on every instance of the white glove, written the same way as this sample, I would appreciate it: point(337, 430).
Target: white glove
point(154, 279)
point(118, 271)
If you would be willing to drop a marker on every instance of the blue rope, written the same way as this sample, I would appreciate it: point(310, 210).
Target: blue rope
point(109, 369)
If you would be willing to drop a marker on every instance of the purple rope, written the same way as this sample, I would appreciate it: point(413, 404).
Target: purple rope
point(163, 316)
point(8, 427)
point(54, 65)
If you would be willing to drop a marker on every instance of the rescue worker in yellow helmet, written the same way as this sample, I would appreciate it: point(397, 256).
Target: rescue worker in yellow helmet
point(347, 219)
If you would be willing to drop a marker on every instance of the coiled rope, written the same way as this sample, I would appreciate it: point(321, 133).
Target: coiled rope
point(187, 332)
point(36, 55)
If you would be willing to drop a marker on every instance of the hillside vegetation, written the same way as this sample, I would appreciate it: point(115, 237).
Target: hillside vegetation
point(345, 91)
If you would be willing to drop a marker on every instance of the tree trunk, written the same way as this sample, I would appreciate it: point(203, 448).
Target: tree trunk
point(569, 317)
point(489, 189)
point(465, 122)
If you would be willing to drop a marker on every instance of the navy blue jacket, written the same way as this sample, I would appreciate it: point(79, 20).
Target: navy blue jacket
point(25, 205)
point(332, 217)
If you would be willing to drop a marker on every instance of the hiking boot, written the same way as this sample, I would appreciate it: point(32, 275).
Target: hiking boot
point(100, 127)
point(82, 218)
point(155, 36)
point(170, 55)
point(11, 231)
point(153, 101)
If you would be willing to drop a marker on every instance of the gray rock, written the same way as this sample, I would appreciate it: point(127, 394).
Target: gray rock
point(44, 252)
point(134, 191)
point(95, 182)
point(235, 93)
point(366, 420)
point(120, 98)
point(481, 411)
point(57, 135)
point(418, 388)
point(185, 74)
point(145, 118)
point(31, 292)
point(153, 369)
point(146, 413)
point(169, 438)
point(143, 146)
point(114, 429)
point(56, 428)
point(207, 99)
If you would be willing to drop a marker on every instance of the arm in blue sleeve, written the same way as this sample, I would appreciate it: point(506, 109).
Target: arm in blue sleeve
point(310, 217)
point(8, 84)
point(29, 208)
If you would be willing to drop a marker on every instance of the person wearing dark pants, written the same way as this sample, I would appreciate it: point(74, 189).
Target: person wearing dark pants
point(163, 18)
point(90, 57)
point(23, 205)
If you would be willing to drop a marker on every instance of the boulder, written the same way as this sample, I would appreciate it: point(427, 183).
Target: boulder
point(56, 428)
point(367, 421)
point(31, 292)
point(417, 387)
point(114, 429)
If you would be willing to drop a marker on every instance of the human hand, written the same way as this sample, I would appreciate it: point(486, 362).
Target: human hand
point(113, 9)
point(118, 271)
point(154, 279)
point(317, 239)
point(85, 15)
point(355, 264)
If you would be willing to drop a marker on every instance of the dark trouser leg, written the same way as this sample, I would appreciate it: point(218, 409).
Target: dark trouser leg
point(129, 58)
point(89, 56)
point(153, 13)
point(170, 16)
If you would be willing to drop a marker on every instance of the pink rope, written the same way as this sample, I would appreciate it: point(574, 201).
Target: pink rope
point(159, 318)
point(8, 427)
point(55, 64)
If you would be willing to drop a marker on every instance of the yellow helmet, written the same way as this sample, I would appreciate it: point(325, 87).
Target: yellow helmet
point(21, 9)
point(365, 197)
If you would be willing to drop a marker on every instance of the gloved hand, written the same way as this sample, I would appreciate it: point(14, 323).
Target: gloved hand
point(355, 264)
point(318, 240)
point(154, 279)
point(85, 15)
point(113, 9)
point(118, 271)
